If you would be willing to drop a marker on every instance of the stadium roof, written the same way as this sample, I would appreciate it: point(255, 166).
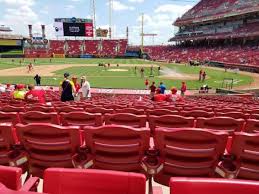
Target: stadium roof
point(209, 10)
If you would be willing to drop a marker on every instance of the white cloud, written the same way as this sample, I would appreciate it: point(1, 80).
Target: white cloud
point(18, 3)
point(119, 6)
point(69, 7)
point(136, 1)
point(172, 8)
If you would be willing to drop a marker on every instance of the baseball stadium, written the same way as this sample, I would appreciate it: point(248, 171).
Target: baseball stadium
point(88, 110)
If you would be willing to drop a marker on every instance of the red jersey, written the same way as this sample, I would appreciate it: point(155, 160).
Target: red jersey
point(183, 88)
point(152, 88)
point(160, 97)
point(77, 87)
point(35, 95)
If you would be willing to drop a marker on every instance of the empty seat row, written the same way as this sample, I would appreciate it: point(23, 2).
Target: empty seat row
point(175, 151)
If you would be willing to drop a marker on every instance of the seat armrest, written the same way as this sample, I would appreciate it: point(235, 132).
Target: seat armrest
point(157, 190)
point(152, 163)
point(83, 158)
point(227, 168)
point(31, 184)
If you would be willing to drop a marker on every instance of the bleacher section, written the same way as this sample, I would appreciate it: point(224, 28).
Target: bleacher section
point(76, 48)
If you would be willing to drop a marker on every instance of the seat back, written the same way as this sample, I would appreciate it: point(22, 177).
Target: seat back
point(81, 119)
point(117, 147)
point(173, 121)
point(160, 112)
point(11, 177)
point(126, 119)
point(252, 126)
point(212, 186)
point(68, 109)
point(188, 152)
point(235, 115)
point(245, 148)
point(6, 141)
point(38, 117)
point(227, 124)
point(80, 181)
point(40, 108)
point(9, 117)
point(99, 110)
point(48, 145)
point(197, 113)
point(131, 110)
point(8, 108)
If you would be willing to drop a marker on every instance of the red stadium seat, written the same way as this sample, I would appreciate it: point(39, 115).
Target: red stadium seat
point(235, 115)
point(197, 113)
point(212, 186)
point(12, 109)
point(9, 117)
point(7, 141)
point(245, 149)
point(38, 117)
point(252, 126)
point(11, 177)
point(227, 124)
point(173, 121)
point(126, 119)
point(68, 109)
point(188, 152)
point(103, 111)
point(48, 145)
point(40, 108)
point(112, 147)
point(160, 112)
point(75, 181)
point(131, 110)
point(81, 119)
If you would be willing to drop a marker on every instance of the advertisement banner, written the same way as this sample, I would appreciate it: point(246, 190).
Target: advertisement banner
point(5, 42)
point(59, 30)
point(74, 29)
point(89, 30)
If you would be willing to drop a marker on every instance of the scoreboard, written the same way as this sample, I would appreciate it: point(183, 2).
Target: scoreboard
point(73, 27)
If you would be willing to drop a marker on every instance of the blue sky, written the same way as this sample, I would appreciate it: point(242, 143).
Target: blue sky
point(159, 16)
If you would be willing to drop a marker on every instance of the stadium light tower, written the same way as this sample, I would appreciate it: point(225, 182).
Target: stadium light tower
point(92, 6)
point(110, 18)
point(143, 34)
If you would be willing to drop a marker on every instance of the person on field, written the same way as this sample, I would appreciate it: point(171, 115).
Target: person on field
point(183, 88)
point(204, 76)
point(200, 75)
point(37, 79)
point(67, 89)
point(152, 90)
point(146, 84)
point(162, 88)
point(85, 88)
point(30, 67)
point(142, 71)
point(34, 95)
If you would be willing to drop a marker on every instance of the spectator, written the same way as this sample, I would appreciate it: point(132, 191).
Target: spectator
point(183, 88)
point(34, 95)
point(85, 88)
point(162, 88)
point(158, 97)
point(173, 96)
point(152, 90)
point(19, 92)
point(67, 89)
point(146, 84)
point(77, 88)
point(37, 79)
point(2, 88)
point(204, 76)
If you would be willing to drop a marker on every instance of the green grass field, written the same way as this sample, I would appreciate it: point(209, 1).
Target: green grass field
point(100, 78)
